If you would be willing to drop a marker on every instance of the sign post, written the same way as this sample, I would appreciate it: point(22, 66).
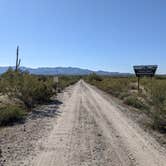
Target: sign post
point(138, 82)
point(56, 80)
point(145, 71)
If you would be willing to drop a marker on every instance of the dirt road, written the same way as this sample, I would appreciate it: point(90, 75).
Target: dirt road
point(92, 131)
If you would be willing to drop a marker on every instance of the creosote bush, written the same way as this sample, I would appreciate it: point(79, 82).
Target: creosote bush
point(135, 102)
point(65, 81)
point(159, 102)
point(112, 85)
point(94, 77)
point(29, 89)
point(10, 114)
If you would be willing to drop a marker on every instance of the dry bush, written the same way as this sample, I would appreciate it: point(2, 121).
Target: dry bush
point(112, 85)
point(29, 89)
point(94, 77)
point(11, 114)
point(65, 81)
point(135, 102)
point(159, 102)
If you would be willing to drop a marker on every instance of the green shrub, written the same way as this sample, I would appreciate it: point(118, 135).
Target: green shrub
point(159, 102)
point(65, 81)
point(35, 91)
point(11, 114)
point(117, 86)
point(114, 86)
point(123, 95)
point(32, 89)
point(94, 77)
point(135, 102)
point(28, 88)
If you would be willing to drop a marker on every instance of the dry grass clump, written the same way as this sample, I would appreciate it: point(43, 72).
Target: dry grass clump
point(159, 102)
point(65, 81)
point(11, 114)
point(113, 85)
point(135, 102)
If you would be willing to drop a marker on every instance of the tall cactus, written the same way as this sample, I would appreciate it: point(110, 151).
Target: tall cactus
point(18, 61)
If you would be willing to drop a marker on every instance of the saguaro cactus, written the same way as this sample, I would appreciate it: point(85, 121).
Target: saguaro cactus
point(18, 61)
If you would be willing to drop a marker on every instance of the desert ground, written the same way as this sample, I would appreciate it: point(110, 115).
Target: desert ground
point(83, 127)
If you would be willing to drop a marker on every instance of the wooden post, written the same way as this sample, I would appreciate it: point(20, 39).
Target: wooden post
point(138, 83)
point(151, 84)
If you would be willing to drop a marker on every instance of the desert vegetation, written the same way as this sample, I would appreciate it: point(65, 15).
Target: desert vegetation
point(151, 98)
point(24, 91)
point(65, 81)
point(10, 114)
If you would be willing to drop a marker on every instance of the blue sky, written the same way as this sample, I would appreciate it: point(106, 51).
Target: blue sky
point(108, 35)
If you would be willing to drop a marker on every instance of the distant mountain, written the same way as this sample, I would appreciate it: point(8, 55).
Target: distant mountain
point(64, 71)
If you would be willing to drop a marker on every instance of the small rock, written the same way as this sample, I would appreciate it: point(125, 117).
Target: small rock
point(99, 134)
point(0, 153)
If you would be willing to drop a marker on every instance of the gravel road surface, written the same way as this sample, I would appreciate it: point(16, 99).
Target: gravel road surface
point(93, 131)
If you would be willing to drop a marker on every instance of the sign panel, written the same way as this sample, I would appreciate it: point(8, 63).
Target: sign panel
point(56, 79)
point(148, 70)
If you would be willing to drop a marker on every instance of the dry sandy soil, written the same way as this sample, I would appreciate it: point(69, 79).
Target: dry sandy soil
point(86, 130)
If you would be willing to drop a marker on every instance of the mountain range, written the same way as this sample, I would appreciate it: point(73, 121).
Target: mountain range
point(64, 71)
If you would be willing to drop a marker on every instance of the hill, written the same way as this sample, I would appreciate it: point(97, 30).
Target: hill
point(65, 71)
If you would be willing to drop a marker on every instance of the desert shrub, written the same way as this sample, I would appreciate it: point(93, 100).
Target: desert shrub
point(28, 88)
point(118, 85)
point(159, 102)
point(33, 91)
point(132, 79)
point(65, 81)
point(123, 95)
point(135, 102)
point(112, 85)
point(10, 114)
point(133, 86)
point(94, 77)
point(147, 84)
